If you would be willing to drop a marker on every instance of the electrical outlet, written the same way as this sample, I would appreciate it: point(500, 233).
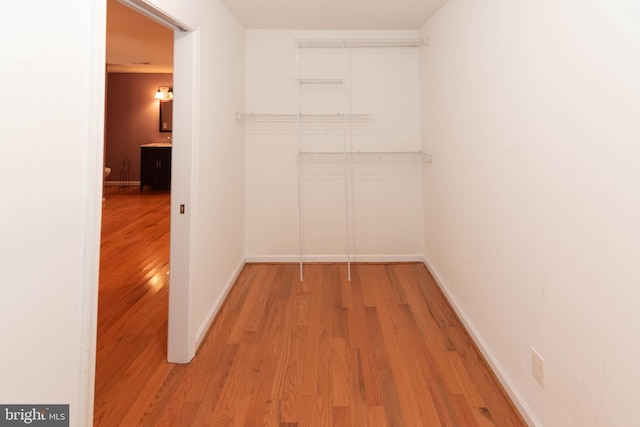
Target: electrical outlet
point(537, 366)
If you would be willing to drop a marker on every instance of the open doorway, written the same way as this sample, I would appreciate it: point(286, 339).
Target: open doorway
point(136, 227)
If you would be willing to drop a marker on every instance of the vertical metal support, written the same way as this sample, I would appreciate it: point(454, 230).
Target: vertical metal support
point(299, 141)
point(345, 160)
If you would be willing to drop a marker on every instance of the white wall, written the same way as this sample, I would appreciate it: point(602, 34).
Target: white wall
point(385, 208)
point(532, 204)
point(50, 215)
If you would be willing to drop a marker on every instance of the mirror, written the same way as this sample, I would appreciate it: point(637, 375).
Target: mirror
point(166, 116)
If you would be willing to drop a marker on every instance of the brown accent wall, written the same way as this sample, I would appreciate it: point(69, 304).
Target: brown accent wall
point(132, 119)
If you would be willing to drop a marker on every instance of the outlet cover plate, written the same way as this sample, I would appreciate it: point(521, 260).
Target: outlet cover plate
point(537, 366)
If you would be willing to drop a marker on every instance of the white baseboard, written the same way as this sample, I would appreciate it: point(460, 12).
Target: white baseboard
point(215, 308)
point(488, 355)
point(335, 258)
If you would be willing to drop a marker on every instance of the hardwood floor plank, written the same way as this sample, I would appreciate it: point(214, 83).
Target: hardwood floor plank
point(337, 282)
point(310, 379)
point(214, 369)
point(358, 401)
point(283, 341)
point(461, 376)
point(229, 408)
point(293, 379)
point(271, 415)
point(387, 306)
point(341, 417)
point(169, 404)
point(340, 373)
point(442, 403)
point(376, 340)
point(463, 411)
point(324, 359)
point(254, 304)
point(361, 275)
point(376, 416)
point(360, 340)
point(391, 399)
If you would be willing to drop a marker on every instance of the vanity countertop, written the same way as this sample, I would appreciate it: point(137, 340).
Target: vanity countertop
point(156, 144)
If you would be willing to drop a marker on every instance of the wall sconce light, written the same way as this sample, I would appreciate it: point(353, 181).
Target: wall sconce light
point(164, 93)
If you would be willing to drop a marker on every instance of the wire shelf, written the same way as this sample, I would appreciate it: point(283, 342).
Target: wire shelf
point(364, 157)
point(358, 43)
point(294, 118)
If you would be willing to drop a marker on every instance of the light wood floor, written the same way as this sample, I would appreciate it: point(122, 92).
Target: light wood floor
point(382, 350)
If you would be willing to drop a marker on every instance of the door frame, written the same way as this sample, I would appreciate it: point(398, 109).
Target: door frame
point(181, 342)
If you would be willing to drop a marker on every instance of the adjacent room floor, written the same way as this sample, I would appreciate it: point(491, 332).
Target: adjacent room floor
point(382, 350)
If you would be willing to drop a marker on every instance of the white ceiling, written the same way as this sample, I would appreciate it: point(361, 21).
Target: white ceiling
point(137, 44)
point(334, 14)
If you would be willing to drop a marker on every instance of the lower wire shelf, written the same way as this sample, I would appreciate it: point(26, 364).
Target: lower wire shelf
point(364, 157)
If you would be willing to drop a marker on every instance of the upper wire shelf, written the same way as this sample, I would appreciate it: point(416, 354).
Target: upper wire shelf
point(355, 43)
point(304, 117)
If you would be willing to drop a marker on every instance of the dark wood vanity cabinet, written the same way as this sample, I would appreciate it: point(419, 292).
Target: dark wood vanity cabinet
point(155, 166)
